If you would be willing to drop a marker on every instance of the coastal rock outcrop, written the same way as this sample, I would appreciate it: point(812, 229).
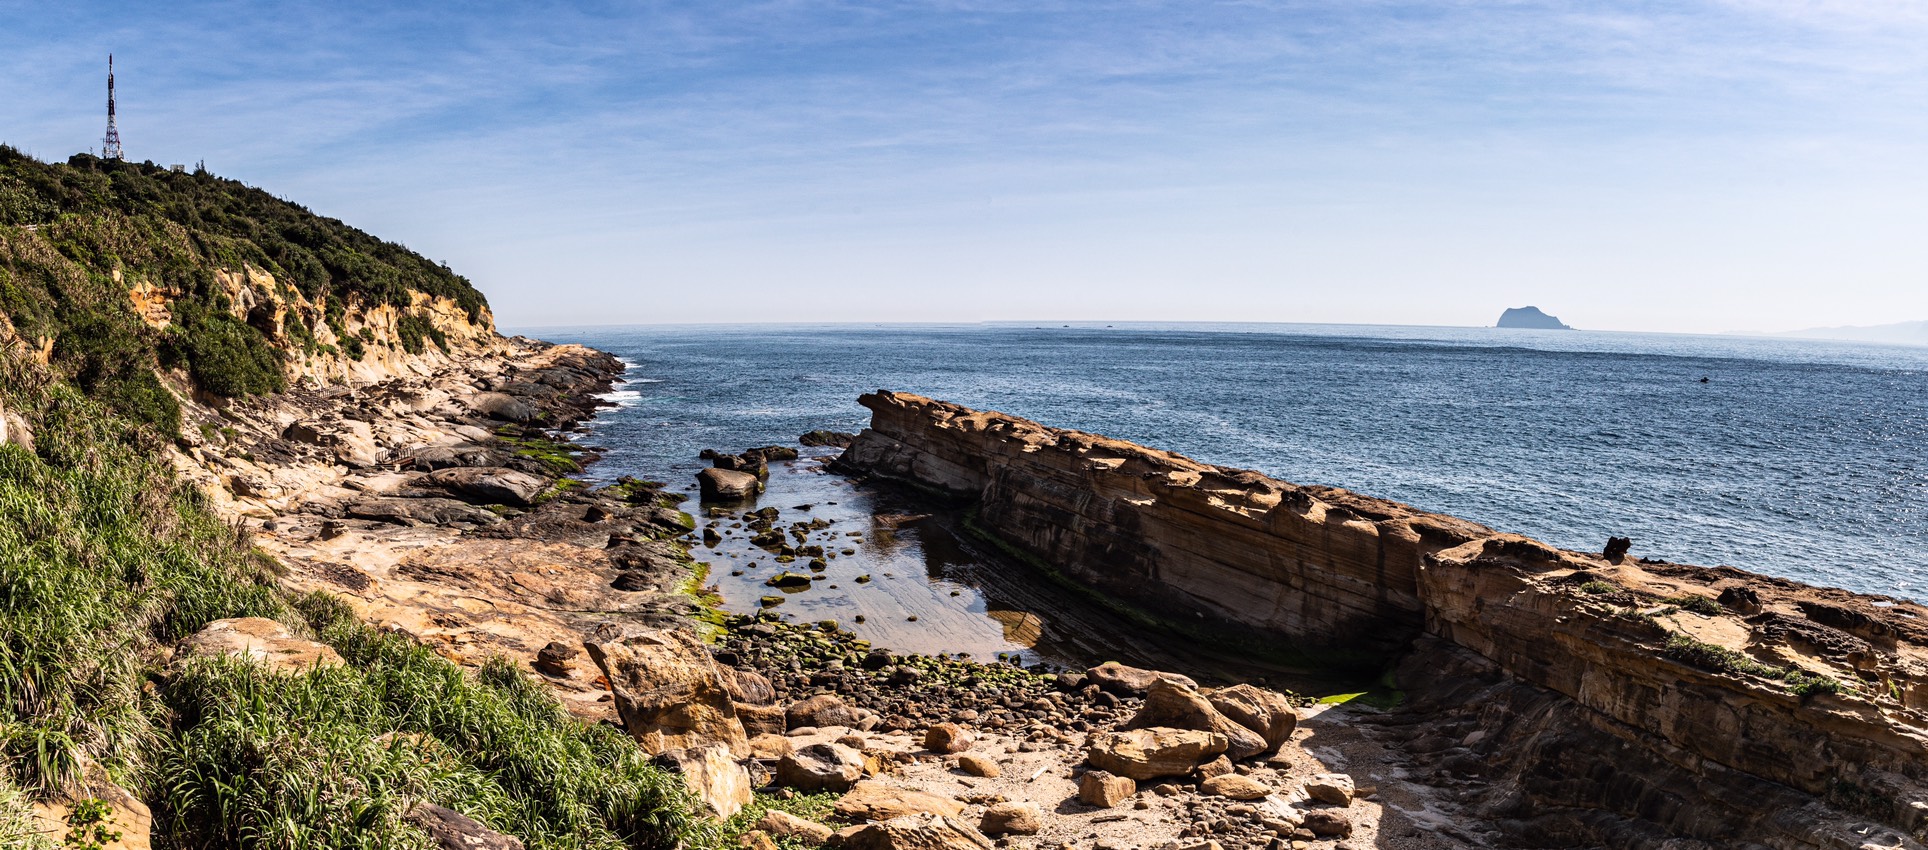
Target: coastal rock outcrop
point(1715, 694)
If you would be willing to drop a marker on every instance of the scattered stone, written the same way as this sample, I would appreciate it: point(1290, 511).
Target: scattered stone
point(756, 839)
point(1236, 787)
point(979, 765)
point(1334, 788)
point(821, 767)
point(1012, 819)
point(948, 738)
point(1328, 823)
point(874, 800)
point(1216, 767)
point(1105, 789)
point(788, 579)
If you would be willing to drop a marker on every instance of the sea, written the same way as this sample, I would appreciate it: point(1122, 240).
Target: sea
point(1798, 458)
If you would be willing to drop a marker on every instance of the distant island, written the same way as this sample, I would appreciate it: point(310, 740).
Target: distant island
point(1530, 317)
point(1905, 333)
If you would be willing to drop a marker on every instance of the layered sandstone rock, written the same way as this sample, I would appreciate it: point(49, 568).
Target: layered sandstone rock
point(1622, 703)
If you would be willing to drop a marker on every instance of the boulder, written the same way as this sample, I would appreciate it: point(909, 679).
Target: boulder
point(714, 776)
point(1216, 767)
point(874, 800)
point(1268, 713)
point(948, 738)
point(668, 691)
point(452, 830)
point(761, 719)
point(1235, 786)
point(1012, 818)
point(1131, 681)
point(785, 825)
point(262, 640)
point(488, 485)
point(821, 767)
point(1334, 788)
point(757, 839)
point(14, 430)
point(1174, 705)
point(1151, 753)
point(553, 660)
point(748, 686)
point(823, 710)
point(976, 764)
point(727, 485)
point(1327, 823)
point(914, 832)
point(126, 814)
point(1105, 789)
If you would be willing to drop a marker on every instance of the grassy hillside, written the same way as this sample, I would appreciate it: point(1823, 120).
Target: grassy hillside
point(75, 236)
point(107, 560)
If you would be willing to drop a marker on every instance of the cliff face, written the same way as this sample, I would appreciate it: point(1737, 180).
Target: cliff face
point(1719, 689)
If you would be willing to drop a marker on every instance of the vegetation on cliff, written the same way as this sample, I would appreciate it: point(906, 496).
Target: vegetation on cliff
point(107, 560)
point(76, 236)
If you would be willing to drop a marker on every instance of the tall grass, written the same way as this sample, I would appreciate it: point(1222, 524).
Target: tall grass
point(107, 559)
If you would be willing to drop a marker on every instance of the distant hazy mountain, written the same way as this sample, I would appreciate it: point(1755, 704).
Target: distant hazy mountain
point(1529, 317)
point(1908, 333)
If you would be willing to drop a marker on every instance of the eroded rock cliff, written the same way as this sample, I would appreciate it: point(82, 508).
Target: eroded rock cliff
point(1604, 701)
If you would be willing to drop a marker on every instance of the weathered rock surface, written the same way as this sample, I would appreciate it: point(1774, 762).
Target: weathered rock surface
point(452, 830)
point(873, 800)
point(786, 825)
point(261, 640)
point(1334, 788)
point(824, 710)
point(668, 691)
point(1105, 789)
point(914, 832)
point(948, 738)
point(1010, 818)
point(1151, 753)
point(488, 485)
point(1235, 786)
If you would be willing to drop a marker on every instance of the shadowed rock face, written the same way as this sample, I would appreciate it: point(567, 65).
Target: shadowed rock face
point(1619, 703)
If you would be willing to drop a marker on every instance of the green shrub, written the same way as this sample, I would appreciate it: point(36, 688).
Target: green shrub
point(1708, 656)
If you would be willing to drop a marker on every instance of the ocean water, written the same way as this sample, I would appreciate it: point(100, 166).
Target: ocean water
point(1796, 458)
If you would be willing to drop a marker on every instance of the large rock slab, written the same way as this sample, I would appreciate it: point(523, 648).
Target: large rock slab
point(1143, 754)
point(668, 691)
point(351, 441)
point(915, 832)
point(1131, 681)
point(261, 640)
point(1269, 713)
point(489, 485)
point(873, 800)
point(1173, 705)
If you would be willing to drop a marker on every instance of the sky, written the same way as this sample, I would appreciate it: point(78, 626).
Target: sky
point(1668, 166)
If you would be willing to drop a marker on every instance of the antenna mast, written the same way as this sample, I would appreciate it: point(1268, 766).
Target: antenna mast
point(110, 146)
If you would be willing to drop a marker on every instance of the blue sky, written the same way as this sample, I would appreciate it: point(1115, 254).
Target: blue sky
point(1685, 166)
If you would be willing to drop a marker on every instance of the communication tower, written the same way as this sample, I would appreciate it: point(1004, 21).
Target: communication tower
point(110, 146)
